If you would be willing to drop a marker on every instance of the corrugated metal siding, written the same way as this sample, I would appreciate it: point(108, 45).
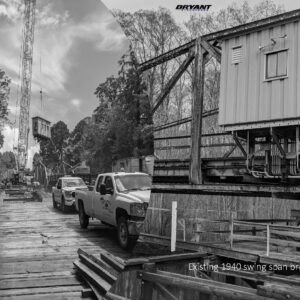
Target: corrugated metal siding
point(245, 96)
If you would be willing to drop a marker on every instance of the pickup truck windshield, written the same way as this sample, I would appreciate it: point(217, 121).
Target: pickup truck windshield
point(73, 182)
point(133, 182)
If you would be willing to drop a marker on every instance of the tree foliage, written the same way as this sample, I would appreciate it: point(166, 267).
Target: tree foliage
point(4, 96)
point(7, 163)
point(153, 32)
point(121, 119)
point(52, 150)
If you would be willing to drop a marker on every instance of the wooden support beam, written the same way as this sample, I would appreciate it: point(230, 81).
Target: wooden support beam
point(166, 56)
point(197, 110)
point(96, 281)
point(147, 286)
point(165, 292)
point(237, 141)
point(113, 262)
point(213, 51)
point(172, 81)
point(280, 292)
point(98, 269)
point(202, 285)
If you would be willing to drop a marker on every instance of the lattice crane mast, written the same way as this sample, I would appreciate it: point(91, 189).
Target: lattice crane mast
point(27, 57)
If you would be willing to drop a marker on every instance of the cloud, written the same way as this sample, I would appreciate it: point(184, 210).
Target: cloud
point(31, 151)
point(10, 138)
point(11, 141)
point(10, 9)
point(76, 103)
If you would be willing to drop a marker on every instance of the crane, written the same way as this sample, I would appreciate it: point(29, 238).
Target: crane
point(27, 57)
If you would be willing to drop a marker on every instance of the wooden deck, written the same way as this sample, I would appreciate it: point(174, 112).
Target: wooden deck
point(38, 245)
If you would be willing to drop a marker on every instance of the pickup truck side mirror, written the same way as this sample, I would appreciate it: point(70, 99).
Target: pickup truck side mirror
point(102, 189)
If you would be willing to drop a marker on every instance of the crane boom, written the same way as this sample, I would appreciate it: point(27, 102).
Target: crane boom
point(27, 57)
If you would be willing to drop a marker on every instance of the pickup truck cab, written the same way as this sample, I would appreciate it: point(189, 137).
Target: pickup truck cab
point(118, 199)
point(63, 192)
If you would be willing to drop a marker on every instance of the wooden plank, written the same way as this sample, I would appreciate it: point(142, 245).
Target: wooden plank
point(49, 296)
point(98, 269)
point(100, 283)
point(87, 292)
point(98, 293)
point(110, 260)
point(197, 110)
point(99, 262)
point(209, 281)
point(279, 292)
point(203, 285)
point(22, 292)
point(111, 296)
point(38, 282)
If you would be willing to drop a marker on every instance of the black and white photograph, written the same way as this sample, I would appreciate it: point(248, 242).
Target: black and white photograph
point(149, 150)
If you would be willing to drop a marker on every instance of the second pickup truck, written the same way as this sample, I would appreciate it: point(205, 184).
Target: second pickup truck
point(117, 199)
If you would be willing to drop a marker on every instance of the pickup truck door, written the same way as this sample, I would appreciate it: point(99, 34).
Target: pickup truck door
point(107, 209)
point(57, 191)
point(96, 199)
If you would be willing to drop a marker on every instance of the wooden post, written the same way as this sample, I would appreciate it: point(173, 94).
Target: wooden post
point(147, 286)
point(268, 240)
point(174, 226)
point(197, 109)
point(231, 231)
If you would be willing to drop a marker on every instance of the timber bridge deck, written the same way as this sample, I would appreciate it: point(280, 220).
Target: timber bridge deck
point(38, 246)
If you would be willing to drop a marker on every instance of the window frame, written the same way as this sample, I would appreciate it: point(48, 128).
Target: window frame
point(112, 182)
point(277, 77)
point(99, 182)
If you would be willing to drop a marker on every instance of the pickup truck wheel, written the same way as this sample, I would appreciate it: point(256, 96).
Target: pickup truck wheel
point(83, 217)
point(63, 205)
point(123, 235)
point(54, 202)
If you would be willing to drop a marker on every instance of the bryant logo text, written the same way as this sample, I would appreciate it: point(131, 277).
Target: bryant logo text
point(193, 7)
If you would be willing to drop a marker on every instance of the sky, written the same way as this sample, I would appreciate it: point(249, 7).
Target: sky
point(134, 5)
point(77, 45)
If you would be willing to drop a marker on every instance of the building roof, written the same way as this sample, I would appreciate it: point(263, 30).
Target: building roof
point(257, 25)
point(246, 28)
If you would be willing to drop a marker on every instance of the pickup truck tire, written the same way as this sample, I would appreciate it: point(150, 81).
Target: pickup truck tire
point(83, 217)
point(123, 234)
point(54, 202)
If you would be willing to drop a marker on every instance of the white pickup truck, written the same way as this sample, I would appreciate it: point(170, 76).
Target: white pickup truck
point(63, 191)
point(117, 199)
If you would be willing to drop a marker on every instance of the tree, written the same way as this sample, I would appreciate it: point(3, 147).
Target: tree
point(75, 151)
point(52, 151)
point(7, 164)
point(153, 32)
point(120, 119)
point(4, 97)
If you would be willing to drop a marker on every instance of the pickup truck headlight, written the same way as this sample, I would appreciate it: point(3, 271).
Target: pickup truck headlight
point(68, 194)
point(138, 210)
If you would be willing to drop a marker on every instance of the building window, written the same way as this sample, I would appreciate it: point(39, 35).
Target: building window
point(276, 64)
point(236, 54)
